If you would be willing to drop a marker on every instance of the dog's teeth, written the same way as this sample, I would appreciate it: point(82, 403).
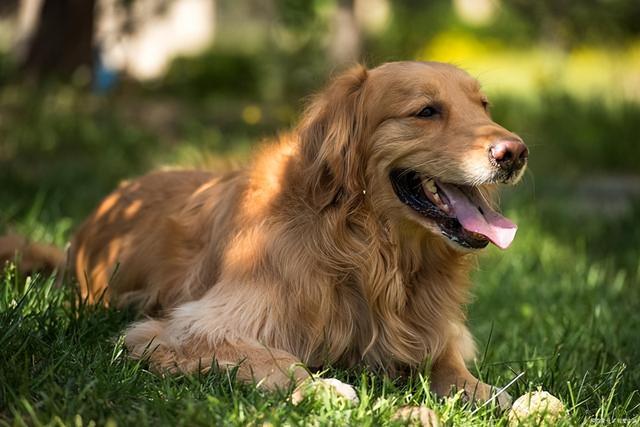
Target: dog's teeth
point(438, 200)
point(431, 186)
point(442, 205)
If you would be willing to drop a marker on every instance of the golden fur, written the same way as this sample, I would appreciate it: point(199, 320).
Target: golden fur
point(306, 255)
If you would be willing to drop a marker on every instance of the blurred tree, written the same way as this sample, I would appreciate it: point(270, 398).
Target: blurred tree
point(345, 42)
point(63, 41)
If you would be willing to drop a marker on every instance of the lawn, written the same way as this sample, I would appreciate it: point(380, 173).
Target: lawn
point(560, 306)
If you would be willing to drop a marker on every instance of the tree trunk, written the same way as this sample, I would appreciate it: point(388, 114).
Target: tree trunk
point(344, 47)
point(63, 40)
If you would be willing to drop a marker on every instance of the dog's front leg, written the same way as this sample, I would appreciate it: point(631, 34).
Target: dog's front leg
point(449, 373)
point(167, 351)
point(268, 367)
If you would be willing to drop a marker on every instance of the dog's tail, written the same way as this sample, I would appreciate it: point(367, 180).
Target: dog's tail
point(31, 257)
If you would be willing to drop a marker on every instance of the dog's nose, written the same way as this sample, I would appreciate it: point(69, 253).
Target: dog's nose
point(509, 154)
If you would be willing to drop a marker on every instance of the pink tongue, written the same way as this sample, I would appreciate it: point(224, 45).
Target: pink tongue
point(489, 223)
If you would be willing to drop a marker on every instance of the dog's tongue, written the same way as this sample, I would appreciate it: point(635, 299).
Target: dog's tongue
point(478, 217)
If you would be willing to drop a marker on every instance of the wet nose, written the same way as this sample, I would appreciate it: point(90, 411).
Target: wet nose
point(509, 154)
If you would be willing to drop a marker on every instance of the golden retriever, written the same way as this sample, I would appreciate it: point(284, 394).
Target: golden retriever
point(348, 240)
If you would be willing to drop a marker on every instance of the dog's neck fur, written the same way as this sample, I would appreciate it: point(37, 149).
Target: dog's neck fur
point(386, 293)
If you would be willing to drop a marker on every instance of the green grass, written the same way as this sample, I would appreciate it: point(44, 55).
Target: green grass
point(561, 305)
point(546, 307)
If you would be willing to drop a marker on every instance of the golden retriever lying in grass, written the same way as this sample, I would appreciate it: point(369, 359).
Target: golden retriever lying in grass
point(348, 240)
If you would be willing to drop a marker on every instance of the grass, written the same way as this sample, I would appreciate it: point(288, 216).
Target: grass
point(546, 307)
point(559, 306)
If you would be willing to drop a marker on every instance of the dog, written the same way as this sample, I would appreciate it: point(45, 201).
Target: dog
point(348, 240)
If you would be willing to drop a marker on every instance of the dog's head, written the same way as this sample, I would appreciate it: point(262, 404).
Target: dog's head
point(417, 138)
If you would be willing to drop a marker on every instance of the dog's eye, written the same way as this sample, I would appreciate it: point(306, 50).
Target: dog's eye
point(485, 104)
point(428, 112)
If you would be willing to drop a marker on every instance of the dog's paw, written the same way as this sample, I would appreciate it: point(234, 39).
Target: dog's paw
point(324, 385)
point(482, 393)
point(504, 401)
point(417, 416)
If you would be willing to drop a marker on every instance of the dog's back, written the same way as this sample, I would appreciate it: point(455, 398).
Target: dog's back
point(115, 252)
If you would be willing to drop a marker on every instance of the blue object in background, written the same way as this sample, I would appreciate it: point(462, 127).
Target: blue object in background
point(105, 79)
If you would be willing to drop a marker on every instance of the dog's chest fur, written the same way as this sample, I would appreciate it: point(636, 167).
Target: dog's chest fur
point(378, 300)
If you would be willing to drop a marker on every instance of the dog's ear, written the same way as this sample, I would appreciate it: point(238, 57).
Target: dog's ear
point(331, 133)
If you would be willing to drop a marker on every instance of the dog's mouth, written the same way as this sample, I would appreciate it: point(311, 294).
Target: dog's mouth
point(460, 211)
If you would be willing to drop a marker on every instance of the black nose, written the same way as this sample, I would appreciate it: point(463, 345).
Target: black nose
point(509, 154)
